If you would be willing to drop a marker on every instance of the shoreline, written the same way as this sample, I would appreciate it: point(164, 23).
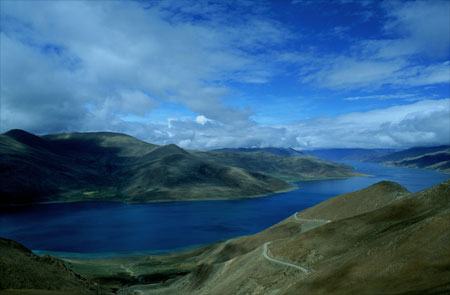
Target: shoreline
point(113, 200)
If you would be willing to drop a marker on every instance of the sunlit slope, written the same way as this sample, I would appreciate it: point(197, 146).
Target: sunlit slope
point(402, 246)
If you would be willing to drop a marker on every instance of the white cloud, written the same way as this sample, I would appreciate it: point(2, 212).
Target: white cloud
point(425, 122)
point(106, 65)
point(121, 58)
point(422, 123)
point(414, 32)
point(201, 120)
point(407, 96)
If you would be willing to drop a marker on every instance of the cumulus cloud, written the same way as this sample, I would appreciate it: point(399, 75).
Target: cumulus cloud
point(422, 123)
point(124, 58)
point(425, 122)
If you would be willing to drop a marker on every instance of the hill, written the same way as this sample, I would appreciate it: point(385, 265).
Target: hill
point(435, 158)
point(286, 152)
point(290, 168)
point(22, 272)
point(379, 240)
point(117, 167)
point(355, 154)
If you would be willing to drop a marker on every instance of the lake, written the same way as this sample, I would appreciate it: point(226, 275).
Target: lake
point(105, 229)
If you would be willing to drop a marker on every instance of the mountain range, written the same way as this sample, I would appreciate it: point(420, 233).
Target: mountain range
point(118, 167)
point(434, 158)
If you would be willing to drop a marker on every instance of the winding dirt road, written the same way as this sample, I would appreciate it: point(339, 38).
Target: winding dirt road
point(323, 221)
point(282, 262)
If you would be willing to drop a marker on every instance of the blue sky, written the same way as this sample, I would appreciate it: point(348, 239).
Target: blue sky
point(209, 74)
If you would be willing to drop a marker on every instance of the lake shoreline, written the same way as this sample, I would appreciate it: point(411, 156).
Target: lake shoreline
point(98, 229)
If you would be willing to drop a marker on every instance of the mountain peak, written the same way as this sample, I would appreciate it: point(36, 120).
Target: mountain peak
point(18, 133)
point(26, 138)
point(388, 186)
point(351, 204)
point(166, 150)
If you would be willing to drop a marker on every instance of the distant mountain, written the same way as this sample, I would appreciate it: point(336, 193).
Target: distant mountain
point(435, 158)
point(22, 272)
point(355, 154)
point(378, 240)
point(286, 152)
point(295, 167)
point(118, 167)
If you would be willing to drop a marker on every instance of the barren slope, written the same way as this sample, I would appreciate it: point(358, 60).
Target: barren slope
point(401, 246)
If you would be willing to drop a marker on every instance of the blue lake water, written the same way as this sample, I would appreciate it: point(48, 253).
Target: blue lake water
point(98, 227)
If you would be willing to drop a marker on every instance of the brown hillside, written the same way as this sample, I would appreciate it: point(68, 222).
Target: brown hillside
point(22, 270)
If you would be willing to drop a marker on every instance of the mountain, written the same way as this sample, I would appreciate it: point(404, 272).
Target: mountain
point(378, 240)
point(435, 158)
point(286, 152)
point(290, 168)
point(22, 272)
point(355, 154)
point(118, 167)
point(169, 172)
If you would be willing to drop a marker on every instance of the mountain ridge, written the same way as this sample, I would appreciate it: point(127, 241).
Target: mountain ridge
point(108, 166)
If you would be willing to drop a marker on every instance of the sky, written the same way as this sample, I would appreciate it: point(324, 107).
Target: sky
point(211, 74)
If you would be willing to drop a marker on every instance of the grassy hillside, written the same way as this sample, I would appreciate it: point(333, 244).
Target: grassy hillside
point(379, 240)
point(298, 168)
point(118, 167)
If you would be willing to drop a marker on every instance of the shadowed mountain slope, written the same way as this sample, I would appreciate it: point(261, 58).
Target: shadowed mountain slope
point(355, 154)
point(169, 172)
point(410, 153)
point(118, 167)
point(286, 152)
point(27, 273)
point(292, 168)
point(435, 158)
point(439, 161)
